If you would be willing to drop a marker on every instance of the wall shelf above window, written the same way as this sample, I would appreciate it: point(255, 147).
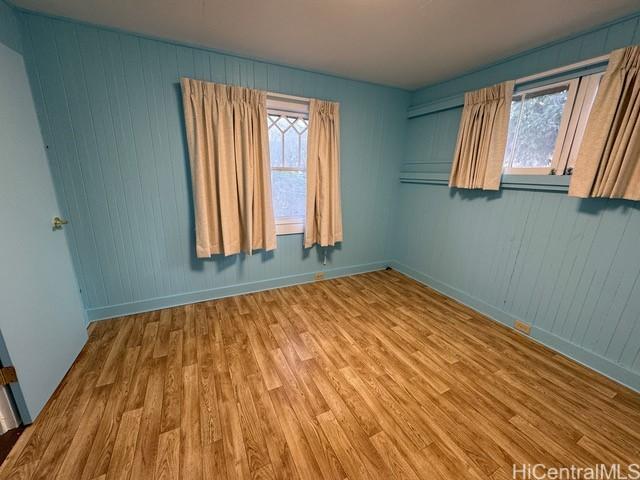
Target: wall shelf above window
point(567, 72)
point(548, 183)
point(548, 118)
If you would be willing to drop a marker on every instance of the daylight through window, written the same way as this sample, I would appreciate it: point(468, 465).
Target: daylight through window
point(288, 127)
point(546, 125)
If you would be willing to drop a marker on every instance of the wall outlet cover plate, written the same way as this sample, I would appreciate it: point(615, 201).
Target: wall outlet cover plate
point(522, 327)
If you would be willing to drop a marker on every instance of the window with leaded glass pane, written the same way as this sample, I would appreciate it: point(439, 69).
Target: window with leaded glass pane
point(288, 153)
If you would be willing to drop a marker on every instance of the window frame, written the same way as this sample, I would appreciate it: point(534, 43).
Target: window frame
point(292, 107)
point(560, 155)
point(585, 98)
point(575, 115)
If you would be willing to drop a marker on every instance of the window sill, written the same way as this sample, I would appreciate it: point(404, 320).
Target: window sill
point(289, 228)
point(550, 183)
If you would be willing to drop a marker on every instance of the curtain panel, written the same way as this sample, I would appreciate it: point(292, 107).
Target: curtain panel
point(608, 164)
point(230, 169)
point(323, 223)
point(482, 138)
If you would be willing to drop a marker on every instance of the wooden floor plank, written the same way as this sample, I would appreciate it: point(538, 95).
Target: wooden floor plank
point(395, 461)
point(125, 446)
point(168, 459)
point(173, 383)
point(58, 445)
point(104, 438)
point(80, 446)
point(348, 455)
point(371, 376)
point(144, 459)
point(190, 433)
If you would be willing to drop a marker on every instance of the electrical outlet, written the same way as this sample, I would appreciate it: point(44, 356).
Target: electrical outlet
point(522, 327)
point(318, 276)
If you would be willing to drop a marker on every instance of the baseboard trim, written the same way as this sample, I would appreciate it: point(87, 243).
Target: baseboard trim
point(575, 352)
point(112, 311)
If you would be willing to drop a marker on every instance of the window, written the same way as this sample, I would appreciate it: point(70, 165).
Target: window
point(546, 126)
point(288, 124)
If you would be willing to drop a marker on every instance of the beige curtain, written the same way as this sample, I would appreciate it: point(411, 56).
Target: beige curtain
point(230, 168)
point(324, 215)
point(608, 164)
point(482, 138)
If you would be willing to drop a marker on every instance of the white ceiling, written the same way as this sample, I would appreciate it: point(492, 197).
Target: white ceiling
point(406, 43)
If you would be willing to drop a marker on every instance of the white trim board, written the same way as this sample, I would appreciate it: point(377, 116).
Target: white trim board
point(577, 353)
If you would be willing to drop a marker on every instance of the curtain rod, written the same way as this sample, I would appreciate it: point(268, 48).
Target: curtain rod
point(566, 68)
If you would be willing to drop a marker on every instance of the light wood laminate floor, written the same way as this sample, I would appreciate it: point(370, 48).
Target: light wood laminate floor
point(371, 376)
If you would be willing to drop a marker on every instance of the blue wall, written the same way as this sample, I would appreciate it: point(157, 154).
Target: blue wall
point(569, 267)
point(10, 28)
point(110, 110)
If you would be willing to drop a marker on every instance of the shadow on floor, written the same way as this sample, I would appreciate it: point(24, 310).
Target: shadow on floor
point(8, 440)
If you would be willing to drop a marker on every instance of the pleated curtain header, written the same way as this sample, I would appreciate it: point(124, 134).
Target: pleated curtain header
point(323, 223)
point(608, 164)
point(482, 138)
point(227, 136)
point(230, 167)
point(495, 93)
point(219, 92)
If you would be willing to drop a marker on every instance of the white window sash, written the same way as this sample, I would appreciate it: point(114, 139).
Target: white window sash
point(560, 156)
point(289, 225)
point(290, 106)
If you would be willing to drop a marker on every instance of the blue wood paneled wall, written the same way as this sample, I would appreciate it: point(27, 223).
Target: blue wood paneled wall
point(569, 267)
point(110, 110)
point(10, 27)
